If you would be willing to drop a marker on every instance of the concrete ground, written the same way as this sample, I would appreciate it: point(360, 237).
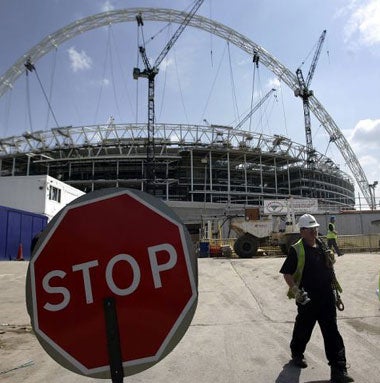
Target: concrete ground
point(240, 332)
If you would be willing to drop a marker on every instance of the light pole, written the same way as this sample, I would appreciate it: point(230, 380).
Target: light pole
point(373, 197)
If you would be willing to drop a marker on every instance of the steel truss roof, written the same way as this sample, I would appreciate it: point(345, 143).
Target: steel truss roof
point(129, 140)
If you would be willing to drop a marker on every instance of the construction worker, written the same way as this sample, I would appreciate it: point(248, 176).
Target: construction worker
point(308, 271)
point(332, 236)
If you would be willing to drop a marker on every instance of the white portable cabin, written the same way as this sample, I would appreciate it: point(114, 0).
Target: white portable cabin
point(37, 194)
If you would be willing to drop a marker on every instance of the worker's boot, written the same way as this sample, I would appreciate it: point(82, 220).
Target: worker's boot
point(299, 361)
point(339, 375)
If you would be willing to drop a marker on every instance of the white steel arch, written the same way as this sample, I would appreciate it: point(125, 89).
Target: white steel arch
point(170, 15)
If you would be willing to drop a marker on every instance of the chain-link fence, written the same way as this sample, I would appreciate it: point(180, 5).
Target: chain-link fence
point(359, 243)
point(347, 243)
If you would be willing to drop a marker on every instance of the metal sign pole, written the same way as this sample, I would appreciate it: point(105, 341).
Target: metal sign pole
point(113, 340)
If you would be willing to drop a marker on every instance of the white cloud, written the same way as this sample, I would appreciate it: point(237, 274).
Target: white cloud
point(79, 60)
point(275, 83)
point(100, 83)
point(366, 132)
point(165, 64)
point(363, 26)
point(107, 6)
point(365, 141)
point(370, 165)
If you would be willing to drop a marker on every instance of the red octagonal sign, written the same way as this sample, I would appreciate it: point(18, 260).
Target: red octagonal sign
point(118, 243)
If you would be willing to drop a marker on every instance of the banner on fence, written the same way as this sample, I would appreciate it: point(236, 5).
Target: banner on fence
point(297, 205)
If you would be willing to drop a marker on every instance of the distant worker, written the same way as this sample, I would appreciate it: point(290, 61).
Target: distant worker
point(309, 272)
point(332, 236)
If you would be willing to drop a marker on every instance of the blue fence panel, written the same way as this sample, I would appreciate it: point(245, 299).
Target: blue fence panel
point(13, 234)
point(18, 227)
point(3, 231)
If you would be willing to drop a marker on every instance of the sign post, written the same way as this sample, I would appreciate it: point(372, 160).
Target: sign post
point(113, 340)
point(112, 284)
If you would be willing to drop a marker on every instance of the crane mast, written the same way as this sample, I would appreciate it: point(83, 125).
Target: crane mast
point(253, 110)
point(150, 73)
point(304, 92)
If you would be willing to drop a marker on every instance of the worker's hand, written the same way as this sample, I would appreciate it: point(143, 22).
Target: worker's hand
point(330, 258)
point(295, 290)
point(301, 295)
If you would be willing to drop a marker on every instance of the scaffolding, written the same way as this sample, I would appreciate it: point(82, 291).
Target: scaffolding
point(210, 164)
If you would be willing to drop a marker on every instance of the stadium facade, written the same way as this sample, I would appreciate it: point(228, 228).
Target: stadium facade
point(210, 164)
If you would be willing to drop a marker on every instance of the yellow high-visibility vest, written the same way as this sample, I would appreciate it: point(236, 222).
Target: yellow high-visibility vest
point(331, 233)
point(300, 250)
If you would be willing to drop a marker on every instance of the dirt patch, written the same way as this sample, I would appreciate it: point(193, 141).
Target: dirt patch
point(9, 335)
point(360, 326)
point(18, 329)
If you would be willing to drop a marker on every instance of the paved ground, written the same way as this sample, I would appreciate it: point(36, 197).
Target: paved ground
point(240, 332)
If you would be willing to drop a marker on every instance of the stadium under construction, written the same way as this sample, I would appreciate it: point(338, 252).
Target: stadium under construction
point(181, 162)
point(210, 164)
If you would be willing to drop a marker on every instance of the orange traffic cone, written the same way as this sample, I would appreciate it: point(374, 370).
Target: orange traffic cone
point(20, 256)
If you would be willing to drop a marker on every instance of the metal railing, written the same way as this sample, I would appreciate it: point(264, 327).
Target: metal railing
point(359, 243)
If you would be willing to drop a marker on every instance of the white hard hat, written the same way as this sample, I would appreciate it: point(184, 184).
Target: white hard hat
point(307, 220)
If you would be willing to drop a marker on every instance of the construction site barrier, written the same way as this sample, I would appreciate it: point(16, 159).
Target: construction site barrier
point(359, 243)
point(347, 243)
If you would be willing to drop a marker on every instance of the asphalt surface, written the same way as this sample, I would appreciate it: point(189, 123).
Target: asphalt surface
point(240, 332)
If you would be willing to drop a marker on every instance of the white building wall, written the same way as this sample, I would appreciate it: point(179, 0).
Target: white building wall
point(37, 194)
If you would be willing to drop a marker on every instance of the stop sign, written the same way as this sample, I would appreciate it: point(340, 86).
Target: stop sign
point(118, 243)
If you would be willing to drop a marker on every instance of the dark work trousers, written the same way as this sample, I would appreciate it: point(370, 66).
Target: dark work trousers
point(332, 244)
point(323, 311)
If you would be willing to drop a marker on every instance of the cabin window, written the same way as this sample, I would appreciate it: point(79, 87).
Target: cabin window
point(54, 194)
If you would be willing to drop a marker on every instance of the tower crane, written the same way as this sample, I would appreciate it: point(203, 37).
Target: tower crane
point(253, 110)
point(304, 92)
point(150, 73)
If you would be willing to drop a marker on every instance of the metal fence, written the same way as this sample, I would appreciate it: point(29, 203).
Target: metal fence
point(347, 243)
point(359, 243)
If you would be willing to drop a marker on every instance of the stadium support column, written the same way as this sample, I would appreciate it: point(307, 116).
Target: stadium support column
point(228, 180)
point(210, 178)
point(204, 161)
point(261, 176)
point(14, 166)
point(117, 173)
point(167, 181)
point(28, 165)
point(192, 175)
point(275, 174)
point(142, 176)
point(245, 179)
point(93, 176)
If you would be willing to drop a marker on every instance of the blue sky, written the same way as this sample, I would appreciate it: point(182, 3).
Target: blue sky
point(89, 78)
